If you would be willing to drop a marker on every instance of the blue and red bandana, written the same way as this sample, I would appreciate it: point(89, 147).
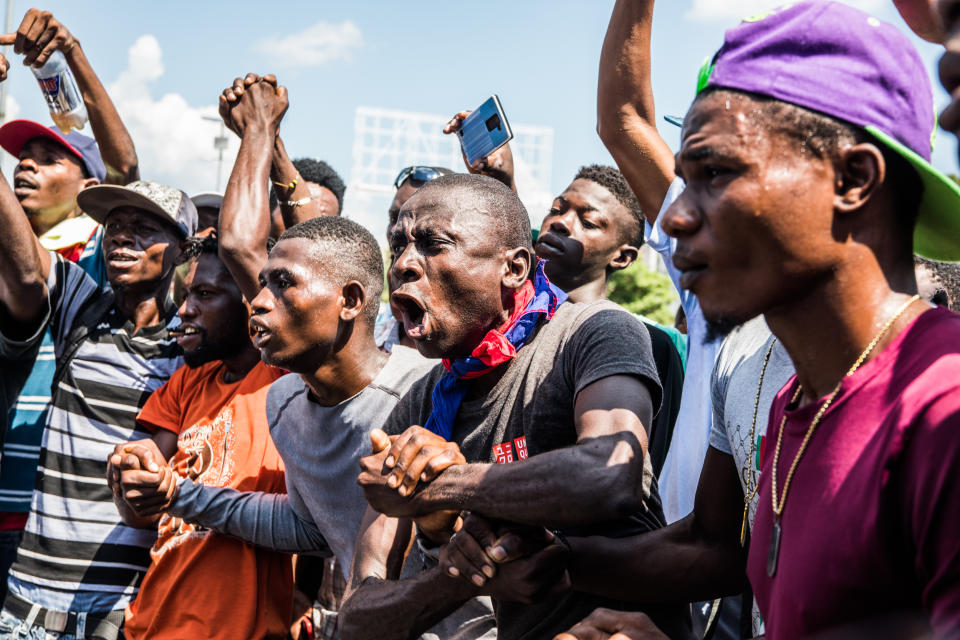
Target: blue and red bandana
point(532, 302)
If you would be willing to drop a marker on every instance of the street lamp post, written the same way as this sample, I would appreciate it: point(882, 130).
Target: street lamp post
point(220, 145)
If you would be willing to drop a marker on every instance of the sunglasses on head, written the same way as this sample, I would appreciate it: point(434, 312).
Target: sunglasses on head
point(420, 174)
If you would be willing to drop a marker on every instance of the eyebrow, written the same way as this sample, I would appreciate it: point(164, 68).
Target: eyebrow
point(705, 152)
point(585, 209)
point(277, 272)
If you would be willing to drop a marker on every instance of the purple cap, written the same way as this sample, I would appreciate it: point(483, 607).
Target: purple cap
point(842, 62)
point(16, 133)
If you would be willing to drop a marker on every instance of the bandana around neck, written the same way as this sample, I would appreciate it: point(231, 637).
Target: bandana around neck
point(532, 302)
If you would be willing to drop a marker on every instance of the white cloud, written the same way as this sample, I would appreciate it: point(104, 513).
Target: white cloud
point(717, 10)
point(314, 46)
point(174, 143)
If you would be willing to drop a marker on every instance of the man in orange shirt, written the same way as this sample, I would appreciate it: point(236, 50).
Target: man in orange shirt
point(211, 417)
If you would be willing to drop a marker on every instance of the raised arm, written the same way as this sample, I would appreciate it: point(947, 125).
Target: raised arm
point(599, 478)
point(296, 202)
point(498, 165)
point(24, 264)
point(626, 121)
point(39, 35)
point(252, 107)
point(377, 604)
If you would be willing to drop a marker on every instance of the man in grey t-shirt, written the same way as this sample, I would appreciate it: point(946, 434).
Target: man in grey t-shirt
point(321, 282)
point(752, 366)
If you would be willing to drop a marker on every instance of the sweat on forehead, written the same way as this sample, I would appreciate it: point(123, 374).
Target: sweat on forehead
point(342, 249)
point(481, 195)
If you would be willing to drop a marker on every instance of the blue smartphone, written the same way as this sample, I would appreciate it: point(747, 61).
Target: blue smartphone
point(485, 130)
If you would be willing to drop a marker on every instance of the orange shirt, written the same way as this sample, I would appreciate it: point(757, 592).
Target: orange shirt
point(202, 584)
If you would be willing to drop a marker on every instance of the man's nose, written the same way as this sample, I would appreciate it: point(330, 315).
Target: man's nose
point(262, 302)
point(561, 223)
point(681, 218)
point(26, 164)
point(406, 266)
point(187, 310)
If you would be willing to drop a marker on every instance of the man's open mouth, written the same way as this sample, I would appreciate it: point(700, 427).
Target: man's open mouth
point(185, 330)
point(414, 315)
point(187, 336)
point(118, 256)
point(23, 187)
point(259, 333)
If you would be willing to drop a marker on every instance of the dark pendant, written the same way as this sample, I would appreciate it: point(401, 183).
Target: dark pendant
point(774, 551)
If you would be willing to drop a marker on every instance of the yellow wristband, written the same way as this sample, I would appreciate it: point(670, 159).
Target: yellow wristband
point(291, 186)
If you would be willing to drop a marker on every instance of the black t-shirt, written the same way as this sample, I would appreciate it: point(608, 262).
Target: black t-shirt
point(670, 370)
point(530, 411)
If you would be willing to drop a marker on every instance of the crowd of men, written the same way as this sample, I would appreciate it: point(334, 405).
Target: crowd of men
point(215, 428)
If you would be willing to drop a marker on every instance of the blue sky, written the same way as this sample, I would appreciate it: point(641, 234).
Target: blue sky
point(540, 57)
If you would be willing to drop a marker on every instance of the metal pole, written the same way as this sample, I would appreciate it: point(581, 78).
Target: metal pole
point(6, 53)
point(220, 144)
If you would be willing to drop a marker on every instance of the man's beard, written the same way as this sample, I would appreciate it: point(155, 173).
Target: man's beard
point(208, 351)
point(720, 328)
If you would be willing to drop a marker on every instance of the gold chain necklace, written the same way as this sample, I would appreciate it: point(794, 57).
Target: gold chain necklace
point(752, 490)
point(777, 530)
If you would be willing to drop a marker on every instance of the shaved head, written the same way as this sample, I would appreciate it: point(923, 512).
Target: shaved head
point(488, 197)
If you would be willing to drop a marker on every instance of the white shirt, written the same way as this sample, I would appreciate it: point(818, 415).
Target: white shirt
point(681, 469)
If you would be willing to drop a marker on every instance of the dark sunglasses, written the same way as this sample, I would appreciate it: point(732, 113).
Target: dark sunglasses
point(420, 174)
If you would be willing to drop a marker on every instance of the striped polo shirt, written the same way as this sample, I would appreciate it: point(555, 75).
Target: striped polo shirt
point(27, 415)
point(76, 554)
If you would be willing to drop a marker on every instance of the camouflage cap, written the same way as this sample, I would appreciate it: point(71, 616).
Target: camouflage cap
point(171, 205)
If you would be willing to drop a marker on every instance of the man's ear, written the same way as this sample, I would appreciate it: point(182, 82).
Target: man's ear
point(353, 295)
point(89, 182)
point(625, 255)
point(861, 171)
point(517, 267)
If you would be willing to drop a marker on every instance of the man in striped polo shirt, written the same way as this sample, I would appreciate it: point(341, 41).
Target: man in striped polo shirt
point(51, 169)
point(78, 565)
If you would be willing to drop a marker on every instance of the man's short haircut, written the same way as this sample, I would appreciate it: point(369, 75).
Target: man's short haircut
point(614, 182)
point(824, 136)
point(497, 200)
point(347, 252)
point(322, 174)
point(947, 275)
point(196, 246)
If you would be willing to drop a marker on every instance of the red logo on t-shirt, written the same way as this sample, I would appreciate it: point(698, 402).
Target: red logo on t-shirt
point(503, 453)
point(520, 444)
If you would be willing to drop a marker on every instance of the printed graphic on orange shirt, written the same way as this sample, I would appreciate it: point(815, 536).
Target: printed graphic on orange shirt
point(205, 456)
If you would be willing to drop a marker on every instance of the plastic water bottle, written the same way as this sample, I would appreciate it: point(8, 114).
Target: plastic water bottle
point(61, 92)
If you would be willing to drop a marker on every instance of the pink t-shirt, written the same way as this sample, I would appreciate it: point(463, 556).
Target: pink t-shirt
point(872, 521)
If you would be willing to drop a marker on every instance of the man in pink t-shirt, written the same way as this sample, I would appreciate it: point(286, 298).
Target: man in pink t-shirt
point(806, 157)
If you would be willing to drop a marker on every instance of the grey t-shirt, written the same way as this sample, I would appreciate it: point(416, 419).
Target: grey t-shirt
point(530, 411)
point(736, 377)
point(321, 447)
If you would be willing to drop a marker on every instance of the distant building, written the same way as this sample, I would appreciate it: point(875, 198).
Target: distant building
point(387, 140)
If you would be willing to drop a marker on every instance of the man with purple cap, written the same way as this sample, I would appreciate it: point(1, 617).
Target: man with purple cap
point(79, 565)
point(806, 162)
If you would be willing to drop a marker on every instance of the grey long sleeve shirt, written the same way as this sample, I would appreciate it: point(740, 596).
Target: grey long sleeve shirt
point(321, 447)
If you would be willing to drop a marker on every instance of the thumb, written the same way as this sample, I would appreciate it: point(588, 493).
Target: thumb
point(380, 440)
point(7, 39)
